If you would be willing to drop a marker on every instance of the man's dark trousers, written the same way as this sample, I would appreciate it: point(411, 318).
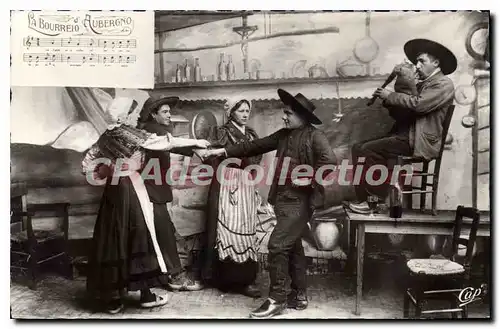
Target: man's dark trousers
point(383, 151)
point(286, 254)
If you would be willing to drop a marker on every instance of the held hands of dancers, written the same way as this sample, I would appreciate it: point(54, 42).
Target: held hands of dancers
point(202, 143)
point(216, 152)
point(207, 154)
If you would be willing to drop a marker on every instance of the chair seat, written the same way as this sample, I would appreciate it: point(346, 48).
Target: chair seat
point(40, 235)
point(434, 266)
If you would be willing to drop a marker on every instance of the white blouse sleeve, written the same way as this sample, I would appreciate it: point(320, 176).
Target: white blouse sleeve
point(168, 142)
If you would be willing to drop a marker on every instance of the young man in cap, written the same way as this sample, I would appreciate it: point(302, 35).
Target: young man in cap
point(155, 118)
point(419, 117)
point(302, 144)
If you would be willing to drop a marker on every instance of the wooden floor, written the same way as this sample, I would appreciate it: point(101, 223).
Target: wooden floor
point(330, 297)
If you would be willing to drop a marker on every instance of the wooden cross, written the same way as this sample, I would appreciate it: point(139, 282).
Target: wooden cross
point(245, 31)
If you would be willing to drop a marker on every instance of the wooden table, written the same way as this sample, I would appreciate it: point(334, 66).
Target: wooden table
point(410, 223)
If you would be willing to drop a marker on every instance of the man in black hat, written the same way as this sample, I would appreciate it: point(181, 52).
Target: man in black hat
point(155, 118)
point(302, 144)
point(419, 117)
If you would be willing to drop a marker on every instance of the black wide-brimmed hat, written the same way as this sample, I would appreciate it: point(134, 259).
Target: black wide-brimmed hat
point(447, 60)
point(301, 105)
point(155, 102)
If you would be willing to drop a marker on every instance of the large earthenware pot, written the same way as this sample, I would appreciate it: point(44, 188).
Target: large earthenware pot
point(326, 235)
point(327, 228)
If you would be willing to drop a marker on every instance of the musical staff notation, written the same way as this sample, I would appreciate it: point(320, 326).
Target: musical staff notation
point(82, 48)
point(79, 58)
point(80, 42)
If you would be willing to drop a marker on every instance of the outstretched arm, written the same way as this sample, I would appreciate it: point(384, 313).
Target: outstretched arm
point(168, 142)
point(255, 147)
point(186, 151)
point(247, 149)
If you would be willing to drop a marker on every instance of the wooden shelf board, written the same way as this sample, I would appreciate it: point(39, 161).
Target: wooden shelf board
point(266, 82)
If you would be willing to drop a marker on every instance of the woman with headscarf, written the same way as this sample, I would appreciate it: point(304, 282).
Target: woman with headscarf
point(125, 253)
point(230, 259)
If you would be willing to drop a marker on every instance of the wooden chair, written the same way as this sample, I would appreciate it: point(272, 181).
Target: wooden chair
point(443, 279)
point(422, 189)
point(32, 248)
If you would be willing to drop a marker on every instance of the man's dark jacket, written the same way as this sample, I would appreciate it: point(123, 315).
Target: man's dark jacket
point(314, 150)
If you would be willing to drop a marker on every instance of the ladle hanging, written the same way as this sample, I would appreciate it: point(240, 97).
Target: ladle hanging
point(338, 116)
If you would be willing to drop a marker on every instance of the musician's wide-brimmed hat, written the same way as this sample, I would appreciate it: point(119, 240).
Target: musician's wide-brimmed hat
point(300, 104)
point(155, 102)
point(447, 60)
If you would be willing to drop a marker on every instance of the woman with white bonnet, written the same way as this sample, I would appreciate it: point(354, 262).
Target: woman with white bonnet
point(230, 257)
point(125, 255)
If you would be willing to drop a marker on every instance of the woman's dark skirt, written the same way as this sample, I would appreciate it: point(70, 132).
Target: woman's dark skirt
point(122, 255)
point(230, 275)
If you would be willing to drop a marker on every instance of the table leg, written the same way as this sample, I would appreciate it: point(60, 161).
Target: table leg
point(359, 268)
point(351, 256)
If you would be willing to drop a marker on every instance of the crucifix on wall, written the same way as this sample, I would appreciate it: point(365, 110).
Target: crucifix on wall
point(245, 31)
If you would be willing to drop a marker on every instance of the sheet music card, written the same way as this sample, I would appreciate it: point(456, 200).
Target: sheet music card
point(82, 49)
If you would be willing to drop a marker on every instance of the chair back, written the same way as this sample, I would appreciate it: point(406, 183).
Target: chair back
point(17, 219)
point(461, 213)
point(18, 192)
point(51, 210)
point(446, 127)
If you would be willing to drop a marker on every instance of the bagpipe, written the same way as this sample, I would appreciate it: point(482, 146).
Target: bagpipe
point(389, 79)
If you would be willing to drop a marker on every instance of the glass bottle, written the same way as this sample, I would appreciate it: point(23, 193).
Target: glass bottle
point(222, 68)
point(372, 201)
point(197, 70)
point(187, 71)
point(178, 76)
point(395, 200)
point(230, 68)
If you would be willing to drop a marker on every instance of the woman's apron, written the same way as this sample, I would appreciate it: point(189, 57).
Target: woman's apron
point(236, 233)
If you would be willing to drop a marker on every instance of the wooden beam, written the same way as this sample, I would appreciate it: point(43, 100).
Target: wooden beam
point(270, 36)
point(177, 20)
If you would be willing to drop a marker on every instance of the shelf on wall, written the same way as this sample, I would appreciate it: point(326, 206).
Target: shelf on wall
point(312, 88)
point(259, 82)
